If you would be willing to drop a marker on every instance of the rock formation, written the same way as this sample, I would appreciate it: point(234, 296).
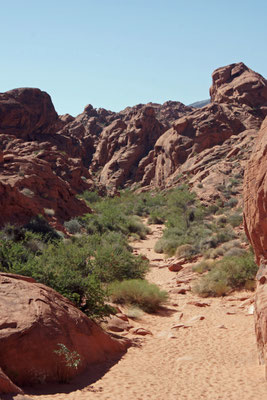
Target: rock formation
point(46, 159)
point(255, 214)
point(255, 196)
point(34, 321)
point(237, 84)
point(238, 104)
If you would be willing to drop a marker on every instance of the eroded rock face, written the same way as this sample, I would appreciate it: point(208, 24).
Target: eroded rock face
point(123, 145)
point(33, 178)
point(238, 105)
point(200, 131)
point(255, 196)
point(34, 320)
point(255, 221)
point(236, 83)
point(24, 111)
point(7, 386)
point(39, 168)
point(150, 145)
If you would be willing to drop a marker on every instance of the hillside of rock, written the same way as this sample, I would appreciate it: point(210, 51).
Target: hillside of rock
point(46, 159)
point(179, 149)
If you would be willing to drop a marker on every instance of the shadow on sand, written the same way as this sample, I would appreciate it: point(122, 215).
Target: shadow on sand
point(91, 375)
point(165, 312)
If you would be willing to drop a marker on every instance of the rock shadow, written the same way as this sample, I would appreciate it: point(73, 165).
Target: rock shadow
point(85, 380)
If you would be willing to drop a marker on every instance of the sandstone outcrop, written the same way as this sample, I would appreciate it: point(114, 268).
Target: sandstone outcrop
point(122, 146)
point(147, 146)
point(40, 169)
point(26, 111)
point(238, 105)
point(7, 386)
point(255, 196)
point(34, 321)
point(236, 83)
point(255, 200)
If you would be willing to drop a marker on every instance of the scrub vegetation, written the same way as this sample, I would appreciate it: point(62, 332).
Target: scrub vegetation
point(97, 263)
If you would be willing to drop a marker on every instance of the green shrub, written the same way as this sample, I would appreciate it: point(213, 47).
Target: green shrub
point(73, 226)
point(203, 266)
point(235, 219)
point(222, 220)
point(39, 225)
point(224, 235)
point(167, 246)
point(186, 251)
point(234, 272)
point(90, 197)
point(156, 217)
point(232, 202)
point(63, 266)
point(139, 293)
point(135, 225)
point(234, 251)
point(215, 285)
point(112, 261)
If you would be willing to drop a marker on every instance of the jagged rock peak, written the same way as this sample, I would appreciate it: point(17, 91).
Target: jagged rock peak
point(236, 83)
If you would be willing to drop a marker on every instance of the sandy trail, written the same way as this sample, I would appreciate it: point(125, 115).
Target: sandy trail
point(204, 361)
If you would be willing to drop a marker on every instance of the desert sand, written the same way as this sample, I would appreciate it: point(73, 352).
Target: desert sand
point(214, 358)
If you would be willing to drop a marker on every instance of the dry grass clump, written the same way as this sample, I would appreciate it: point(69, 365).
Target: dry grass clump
point(138, 293)
point(230, 273)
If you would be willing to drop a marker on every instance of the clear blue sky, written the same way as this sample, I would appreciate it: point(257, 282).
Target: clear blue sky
point(115, 53)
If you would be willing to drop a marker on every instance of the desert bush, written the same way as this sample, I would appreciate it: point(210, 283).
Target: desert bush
point(135, 225)
point(203, 266)
point(139, 293)
point(212, 209)
point(222, 220)
point(113, 261)
point(215, 253)
point(232, 202)
point(186, 251)
point(39, 225)
point(90, 197)
point(73, 226)
point(234, 251)
point(63, 266)
point(156, 217)
point(224, 235)
point(231, 272)
point(231, 244)
point(215, 285)
point(167, 245)
point(235, 219)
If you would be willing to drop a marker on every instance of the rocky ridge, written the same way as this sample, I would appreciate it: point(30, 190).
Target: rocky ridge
point(46, 159)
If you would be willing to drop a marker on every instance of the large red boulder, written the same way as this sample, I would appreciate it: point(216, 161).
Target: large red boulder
point(35, 322)
point(26, 110)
